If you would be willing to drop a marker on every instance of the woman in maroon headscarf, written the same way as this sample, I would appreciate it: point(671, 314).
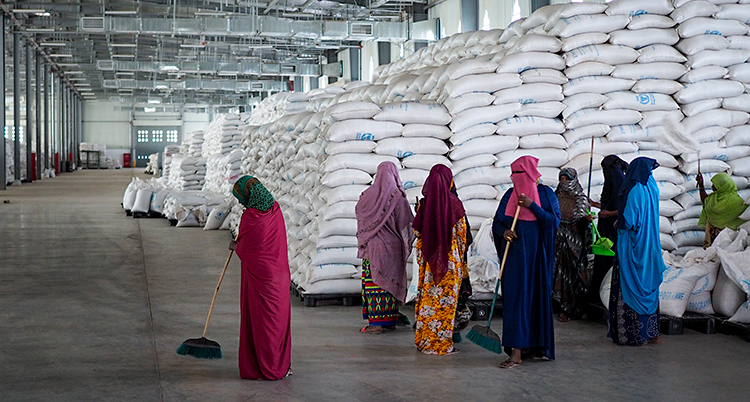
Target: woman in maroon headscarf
point(440, 225)
point(384, 238)
point(265, 320)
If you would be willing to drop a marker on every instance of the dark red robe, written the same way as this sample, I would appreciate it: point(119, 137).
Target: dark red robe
point(265, 326)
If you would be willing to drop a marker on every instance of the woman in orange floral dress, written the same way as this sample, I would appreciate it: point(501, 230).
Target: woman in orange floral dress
point(440, 225)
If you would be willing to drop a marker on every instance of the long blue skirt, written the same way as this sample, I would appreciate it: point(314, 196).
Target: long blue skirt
point(627, 327)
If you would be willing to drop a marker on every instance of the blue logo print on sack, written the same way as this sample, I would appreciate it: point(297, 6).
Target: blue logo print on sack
point(365, 136)
point(646, 99)
point(409, 184)
point(404, 154)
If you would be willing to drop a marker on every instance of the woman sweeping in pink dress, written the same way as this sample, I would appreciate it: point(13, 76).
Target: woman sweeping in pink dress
point(265, 326)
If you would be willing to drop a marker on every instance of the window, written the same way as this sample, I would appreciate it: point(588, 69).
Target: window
point(10, 134)
point(157, 135)
point(142, 136)
point(172, 136)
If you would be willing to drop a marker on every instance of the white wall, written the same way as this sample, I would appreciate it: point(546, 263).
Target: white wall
point(449, 13)
point(369, 59)
point(103, 125)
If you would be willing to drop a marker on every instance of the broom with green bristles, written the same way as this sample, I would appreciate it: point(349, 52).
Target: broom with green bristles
point(484, 336)
point(203, 348)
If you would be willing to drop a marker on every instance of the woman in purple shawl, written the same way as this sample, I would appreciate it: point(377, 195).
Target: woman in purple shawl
point(384, 238)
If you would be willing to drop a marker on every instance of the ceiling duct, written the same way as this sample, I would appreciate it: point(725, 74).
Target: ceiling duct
point(364, 30)
point(92, 24)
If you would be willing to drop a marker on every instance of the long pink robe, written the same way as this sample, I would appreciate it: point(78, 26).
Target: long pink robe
point(265, 326)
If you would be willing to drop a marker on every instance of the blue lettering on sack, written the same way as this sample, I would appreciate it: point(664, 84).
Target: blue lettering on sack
point(634, 13)
point(671, 295)
point(714, 32)
point(365, 136)
point(409, 184)
point(527, 101)
point(522, 69)
point(703, 287)
point(405, 154)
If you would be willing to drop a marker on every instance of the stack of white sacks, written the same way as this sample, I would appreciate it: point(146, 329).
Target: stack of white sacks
point(624, 73)
point(222, 135)
point(101, 148)
point(222, 170)
point(192, 144)
point(713, 103)
point(152, 167)
point(166, 158)
point(10, 161)
point(187, 172)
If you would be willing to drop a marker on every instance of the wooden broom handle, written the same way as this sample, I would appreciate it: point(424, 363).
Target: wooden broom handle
point(218, 285)
point(507, 243)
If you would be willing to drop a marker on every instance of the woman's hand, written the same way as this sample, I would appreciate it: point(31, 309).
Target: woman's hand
point(590, 217)
point(699, 181)
point(524, 201)
point(509, 235)
point(232, 245)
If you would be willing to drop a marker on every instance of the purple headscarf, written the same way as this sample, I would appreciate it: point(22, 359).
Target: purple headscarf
point(384, 234)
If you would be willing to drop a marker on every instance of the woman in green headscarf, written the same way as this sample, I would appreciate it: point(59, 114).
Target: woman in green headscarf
point(722, 208)
point(265, 312)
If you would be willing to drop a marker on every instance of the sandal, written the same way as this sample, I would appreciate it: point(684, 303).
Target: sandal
point(371, 330)
point(389, 328)
point(509, 364)
point(563, 318)
point(452, 352)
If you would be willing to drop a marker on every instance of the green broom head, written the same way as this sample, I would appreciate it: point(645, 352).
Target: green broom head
point(484, 337)
point(200, 348)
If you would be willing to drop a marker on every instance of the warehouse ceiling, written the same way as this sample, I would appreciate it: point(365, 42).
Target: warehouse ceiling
point(196, 51)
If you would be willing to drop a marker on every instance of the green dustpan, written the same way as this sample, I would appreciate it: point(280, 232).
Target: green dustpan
point(601, 245)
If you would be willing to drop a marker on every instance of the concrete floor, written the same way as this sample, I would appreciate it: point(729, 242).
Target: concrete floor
point(93, 305)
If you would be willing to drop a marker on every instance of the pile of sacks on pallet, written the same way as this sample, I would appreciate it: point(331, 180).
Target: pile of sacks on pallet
point(222, 135)
point(10, 161)
point(152, 167)
point(711, 281)
point(641, 77)
point(192, 144)
point(100, 148)
point(166, 158)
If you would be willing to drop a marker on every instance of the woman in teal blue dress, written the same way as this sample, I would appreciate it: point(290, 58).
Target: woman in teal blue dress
point(637, 273)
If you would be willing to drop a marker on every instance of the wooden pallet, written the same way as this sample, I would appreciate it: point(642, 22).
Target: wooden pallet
point(311, 300)
point(702, 323)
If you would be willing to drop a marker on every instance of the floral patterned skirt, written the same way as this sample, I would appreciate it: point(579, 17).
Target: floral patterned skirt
point(626, 326)
point(435, 309)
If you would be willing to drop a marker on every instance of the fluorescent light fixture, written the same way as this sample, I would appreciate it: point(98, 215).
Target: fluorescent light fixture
point(123, 56)
point(304, 15)
point(185, 57)
point(149, 109)
point(76, 78)
point(169, 68)
point(188, 45)
point(260, 46)
point(67, 64)
point(124, 73)
point(154, 101)
point(123, 45)
point(210, 14)
point(52, 43)
point(60, 55)
point(131, 12)
point(40, 30)
point(29, 10)
point(72, 72)
point(83, 85)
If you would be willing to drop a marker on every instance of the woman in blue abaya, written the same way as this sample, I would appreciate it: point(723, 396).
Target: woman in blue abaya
point(637, 273)
point(527, 279)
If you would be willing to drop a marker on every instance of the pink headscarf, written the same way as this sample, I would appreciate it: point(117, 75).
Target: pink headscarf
point(524, 176)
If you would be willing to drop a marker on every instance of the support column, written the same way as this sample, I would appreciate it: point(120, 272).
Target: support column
point(355, 55)
point(470, 15)
point(47, 137)
point(3, 178)
point(16, 108)
point(384, 53)
point(38, 115)
point(419, 14)
point(537, 4)
point(29, 103)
